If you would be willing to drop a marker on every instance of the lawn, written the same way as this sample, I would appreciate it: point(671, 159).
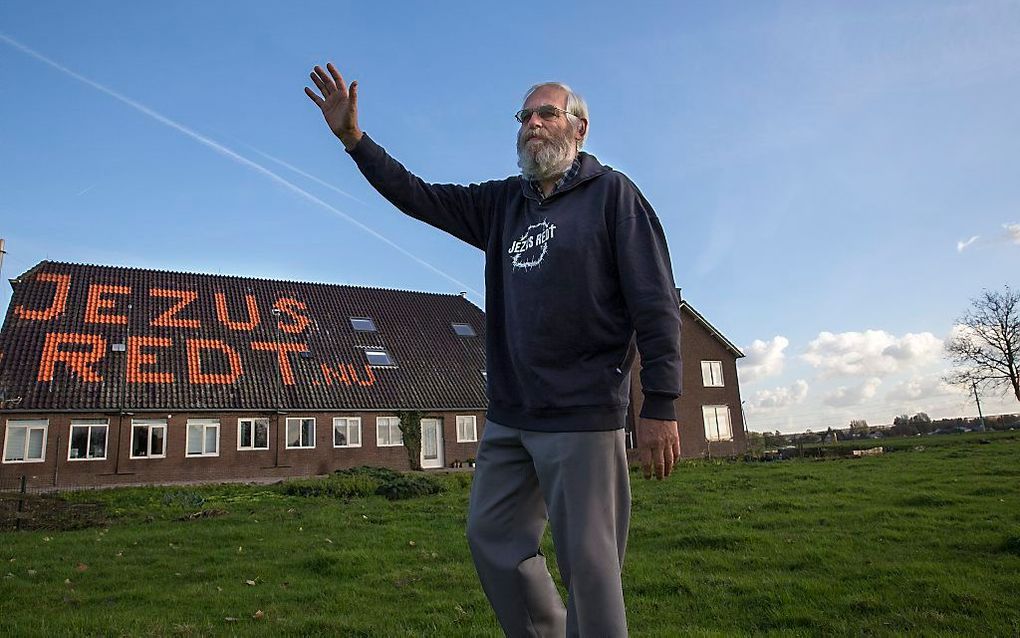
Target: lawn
point(924, 540)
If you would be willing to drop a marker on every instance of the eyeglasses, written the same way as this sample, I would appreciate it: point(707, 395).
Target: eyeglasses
point(547, 112)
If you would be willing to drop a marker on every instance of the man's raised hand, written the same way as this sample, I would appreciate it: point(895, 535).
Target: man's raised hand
point(339, 105)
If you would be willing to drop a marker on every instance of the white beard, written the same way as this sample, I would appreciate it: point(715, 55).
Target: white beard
point(550, 158)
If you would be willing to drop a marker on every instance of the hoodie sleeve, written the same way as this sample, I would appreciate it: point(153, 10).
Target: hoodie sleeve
point(462, 211)
point(646, 279)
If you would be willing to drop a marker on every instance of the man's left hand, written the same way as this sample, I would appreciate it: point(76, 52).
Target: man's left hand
point(660, 446)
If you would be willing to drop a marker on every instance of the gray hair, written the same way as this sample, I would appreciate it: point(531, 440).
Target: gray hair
point(576, 105)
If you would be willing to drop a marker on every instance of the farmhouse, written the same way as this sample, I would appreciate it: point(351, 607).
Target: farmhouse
point(709, 409)
point(113, 375)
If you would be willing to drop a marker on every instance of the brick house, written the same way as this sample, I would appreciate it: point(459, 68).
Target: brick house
point(114, 375)
point(709, 408)
point(121, 375)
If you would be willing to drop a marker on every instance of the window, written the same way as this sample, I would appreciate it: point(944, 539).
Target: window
point(717, 423)
point(378, 357)
point(25, 441)
point(363, 324)
point(463, 329)
point(300, 433)
point(387, 431)
point(711, 374)
point(148, 438)
point(467, 429)
point(253, 434)
point(203, 437)
point(88, 440)
point(347, 432)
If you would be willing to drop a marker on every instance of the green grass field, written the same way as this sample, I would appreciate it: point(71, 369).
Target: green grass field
point(916, 541)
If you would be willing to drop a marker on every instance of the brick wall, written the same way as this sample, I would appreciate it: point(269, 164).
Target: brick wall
point(119, 468)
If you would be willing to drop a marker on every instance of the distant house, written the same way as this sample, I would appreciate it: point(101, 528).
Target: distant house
point(114, 375)
point(709, 409)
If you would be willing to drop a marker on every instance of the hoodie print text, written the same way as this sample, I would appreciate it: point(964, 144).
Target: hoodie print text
point(528, 250)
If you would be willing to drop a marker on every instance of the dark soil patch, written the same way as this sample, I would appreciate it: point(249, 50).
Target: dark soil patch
point(211, 513)
point(1012, 544)
point(48, 512)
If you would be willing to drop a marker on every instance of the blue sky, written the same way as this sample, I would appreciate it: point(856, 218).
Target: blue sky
point(819, 168)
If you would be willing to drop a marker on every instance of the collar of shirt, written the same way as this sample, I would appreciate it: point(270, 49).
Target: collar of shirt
point(562, 181)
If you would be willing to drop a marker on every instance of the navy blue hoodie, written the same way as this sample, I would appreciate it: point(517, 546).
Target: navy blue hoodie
point(569, 281)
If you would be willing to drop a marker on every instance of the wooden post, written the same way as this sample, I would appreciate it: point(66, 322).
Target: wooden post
point(976, 398)
point(21, 503)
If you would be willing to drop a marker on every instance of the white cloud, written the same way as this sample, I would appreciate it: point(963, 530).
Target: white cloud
point(914, 348)
point(962, 245)
point(783, 397)
point(764, 359)
point(921, 388)
point(963, 332)
point(1013, 231)
point(873, 352)
point(846, 396)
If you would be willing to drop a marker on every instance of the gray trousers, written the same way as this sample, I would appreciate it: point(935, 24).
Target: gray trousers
point(580, 482)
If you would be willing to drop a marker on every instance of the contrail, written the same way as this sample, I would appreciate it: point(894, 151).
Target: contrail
point(240, 159)
point(305, 175)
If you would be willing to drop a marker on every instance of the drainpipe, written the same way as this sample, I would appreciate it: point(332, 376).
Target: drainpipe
point(56, 462)
point(120, 430)
point(122, 398)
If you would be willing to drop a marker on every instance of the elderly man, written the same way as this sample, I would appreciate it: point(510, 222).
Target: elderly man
point(576, 274)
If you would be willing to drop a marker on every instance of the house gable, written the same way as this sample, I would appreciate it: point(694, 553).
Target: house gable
point(701, 342)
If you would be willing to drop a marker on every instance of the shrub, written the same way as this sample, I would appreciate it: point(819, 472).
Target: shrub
point(334, 486)
point(364, 481)
point(380, 474)
point(186, 500)
point(409, 486)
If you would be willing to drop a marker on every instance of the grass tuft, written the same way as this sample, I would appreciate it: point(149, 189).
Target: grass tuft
point(927, 500)
point(1012, 544)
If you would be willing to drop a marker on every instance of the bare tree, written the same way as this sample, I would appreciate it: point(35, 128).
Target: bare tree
point(985, 348)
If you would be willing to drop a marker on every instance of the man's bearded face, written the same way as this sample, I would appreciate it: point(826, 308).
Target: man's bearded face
point(546, 152)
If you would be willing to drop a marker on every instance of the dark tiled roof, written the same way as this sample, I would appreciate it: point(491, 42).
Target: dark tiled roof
point(59, 344)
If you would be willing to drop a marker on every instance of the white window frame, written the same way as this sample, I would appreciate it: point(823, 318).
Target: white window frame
point(299, 419)
point(391, 423)
point(347, 422)
point(89, 424)
point(712, 374)
point(205, 424)
point(150, 425)
point(711, 413)
point(29, 425)
point(255, 421)
point(464, 420)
